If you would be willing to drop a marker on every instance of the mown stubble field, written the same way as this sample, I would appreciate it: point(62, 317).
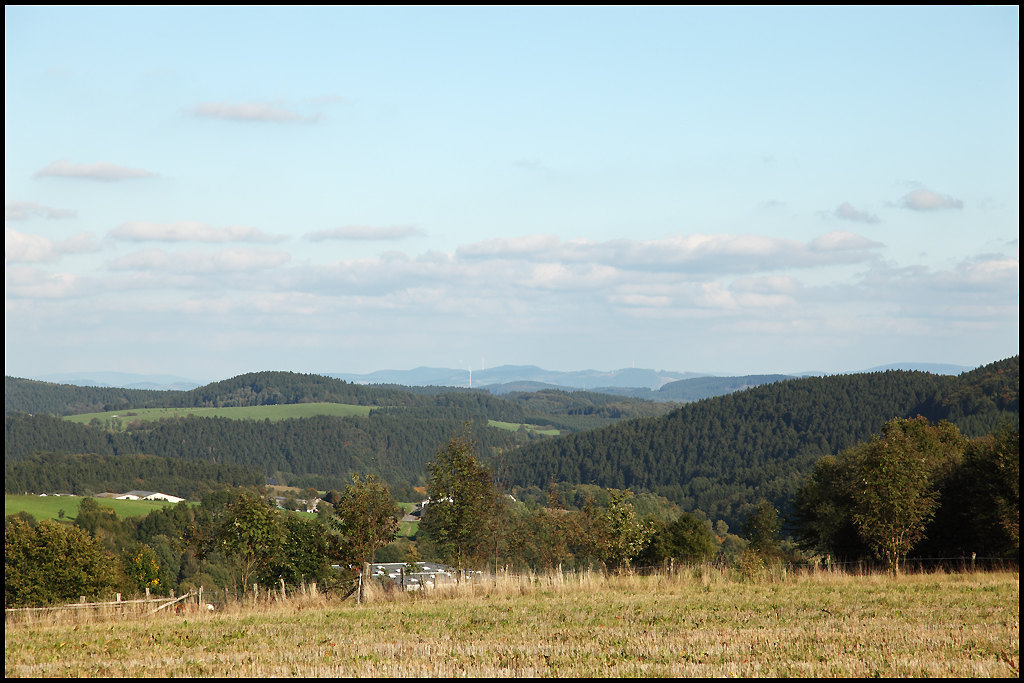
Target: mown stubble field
point(702, 622)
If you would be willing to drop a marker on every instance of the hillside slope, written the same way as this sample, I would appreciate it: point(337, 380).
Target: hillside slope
point(721, 455)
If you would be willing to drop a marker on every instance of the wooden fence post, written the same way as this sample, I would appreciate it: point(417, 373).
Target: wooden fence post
point(283, 595)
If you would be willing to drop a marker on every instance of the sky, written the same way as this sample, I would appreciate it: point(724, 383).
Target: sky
point(206, 192)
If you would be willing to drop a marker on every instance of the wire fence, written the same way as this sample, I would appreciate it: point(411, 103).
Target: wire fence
point(362, 586)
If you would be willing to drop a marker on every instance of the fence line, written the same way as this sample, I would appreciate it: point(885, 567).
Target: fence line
point(343, 588)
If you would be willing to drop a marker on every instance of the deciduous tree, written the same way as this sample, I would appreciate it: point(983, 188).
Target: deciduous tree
point(462, 503)
point(251, 534)
point(762, 527)
point(621, 536)
point(366, 519)
point(895, 491)
point(52, 563)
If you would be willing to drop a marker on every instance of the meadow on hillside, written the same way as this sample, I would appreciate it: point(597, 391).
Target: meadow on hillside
point(701, 621)
point(119, 419)
point(49, 507)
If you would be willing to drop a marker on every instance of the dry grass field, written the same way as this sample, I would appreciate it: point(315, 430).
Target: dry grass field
point(700, 622)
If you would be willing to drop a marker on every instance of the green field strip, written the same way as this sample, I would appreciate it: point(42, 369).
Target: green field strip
point(514, 427)
point(48, 507)
point(273, 413)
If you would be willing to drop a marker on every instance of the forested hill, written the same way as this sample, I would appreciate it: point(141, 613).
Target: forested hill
point(30, 396)
point(694, 389)
point(252, 389)
point(720, 455)
point(321, 451)
point(571, 411)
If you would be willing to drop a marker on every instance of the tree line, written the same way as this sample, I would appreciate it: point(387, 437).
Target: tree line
point(917, 487)
point(920, 489)
point(86, 475)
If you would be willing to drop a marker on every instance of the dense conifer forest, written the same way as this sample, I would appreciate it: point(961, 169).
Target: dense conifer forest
point(83, 475)
point(721, 455)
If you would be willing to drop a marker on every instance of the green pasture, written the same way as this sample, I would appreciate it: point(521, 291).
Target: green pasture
point(514, 427)
point(48, 507)
point(118, 419)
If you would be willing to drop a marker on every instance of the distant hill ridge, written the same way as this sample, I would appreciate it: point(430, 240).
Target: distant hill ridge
point(505, 374)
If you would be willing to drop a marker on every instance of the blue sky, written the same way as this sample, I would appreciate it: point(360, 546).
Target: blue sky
point(205, 192)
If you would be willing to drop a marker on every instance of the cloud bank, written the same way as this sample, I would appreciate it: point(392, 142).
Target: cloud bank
point(263, 112)
point(200, 262)
point(691, 253)
point(22, 248)
point(189, 231)
point(365, 232)
point(99, 171)
point(22, 211)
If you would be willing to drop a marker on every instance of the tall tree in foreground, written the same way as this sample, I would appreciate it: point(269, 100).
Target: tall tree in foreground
point(462, 500)
point(896, 484)
point(251, 534)
point(885, 492)
point(366, 518)
point(621, 536)
point(52, 563)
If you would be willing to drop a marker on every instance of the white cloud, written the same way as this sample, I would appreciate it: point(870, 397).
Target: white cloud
point(365, 232)
point(264, 112)
point(22, 211)
point(34, 283)
point(189, 231)
point(22, 248)
point(992, 274)
point(926, 200)
point(99, 171)
point(199, 262)
point(848, 213)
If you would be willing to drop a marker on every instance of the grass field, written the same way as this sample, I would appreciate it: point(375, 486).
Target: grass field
point(49, 507)
point(514, 427)
point(119, 419)
point(273, 413)
point(701, 622)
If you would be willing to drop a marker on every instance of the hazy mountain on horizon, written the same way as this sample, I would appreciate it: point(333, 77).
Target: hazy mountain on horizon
point(123, 380)
point(503, 377)
point(506, 374)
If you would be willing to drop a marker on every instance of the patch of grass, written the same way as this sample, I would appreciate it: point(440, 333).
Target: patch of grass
point(120, 418)
point(50, 506)
point(698, 622)
point(515, 426)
